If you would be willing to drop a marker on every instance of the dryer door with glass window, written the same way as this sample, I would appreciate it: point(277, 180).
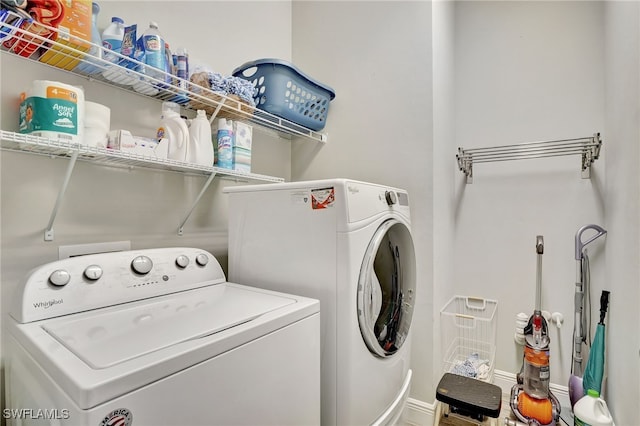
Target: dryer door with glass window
point(386, 289)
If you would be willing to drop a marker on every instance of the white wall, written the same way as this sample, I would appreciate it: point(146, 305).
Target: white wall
point(525, 72)
point(377, 57)
point(444, 166)
point(622, 65)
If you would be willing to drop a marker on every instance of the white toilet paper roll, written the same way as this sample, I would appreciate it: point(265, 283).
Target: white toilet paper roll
point(95, 137)
point(97, 116)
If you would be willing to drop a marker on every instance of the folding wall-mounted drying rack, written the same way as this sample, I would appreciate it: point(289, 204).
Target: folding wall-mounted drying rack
point(588, 148)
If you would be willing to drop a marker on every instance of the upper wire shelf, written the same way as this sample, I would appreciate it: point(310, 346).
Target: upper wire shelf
point(588, 148)
point(53, 47)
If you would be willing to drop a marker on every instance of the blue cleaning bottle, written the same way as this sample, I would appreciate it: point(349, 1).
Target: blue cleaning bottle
point(154, 51)
point(181, 66)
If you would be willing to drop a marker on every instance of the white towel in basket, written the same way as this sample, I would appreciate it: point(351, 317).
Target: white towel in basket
point(473, 367)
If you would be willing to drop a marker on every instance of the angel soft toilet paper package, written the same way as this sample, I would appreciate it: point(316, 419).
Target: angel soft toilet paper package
point(53, 110)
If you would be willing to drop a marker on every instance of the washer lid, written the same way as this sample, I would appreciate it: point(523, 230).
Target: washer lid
point(113, 337)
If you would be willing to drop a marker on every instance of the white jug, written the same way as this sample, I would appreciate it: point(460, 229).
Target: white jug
point(592, 410)
point(200, 144)
point(174, 128)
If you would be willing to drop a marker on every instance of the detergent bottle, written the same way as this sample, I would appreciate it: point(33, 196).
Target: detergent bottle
point(200, 144)
point(174, 129)
point(592, 410)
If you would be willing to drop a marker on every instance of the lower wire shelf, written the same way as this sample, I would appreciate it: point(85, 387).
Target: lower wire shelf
point(24, 143)
point(19, 142)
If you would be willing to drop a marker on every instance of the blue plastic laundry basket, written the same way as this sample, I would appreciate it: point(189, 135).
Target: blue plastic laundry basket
point(285, 91)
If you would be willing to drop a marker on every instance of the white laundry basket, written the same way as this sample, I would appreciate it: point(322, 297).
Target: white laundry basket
point(468, 333)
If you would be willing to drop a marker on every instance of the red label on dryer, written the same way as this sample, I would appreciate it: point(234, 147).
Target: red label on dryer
point(322, 198)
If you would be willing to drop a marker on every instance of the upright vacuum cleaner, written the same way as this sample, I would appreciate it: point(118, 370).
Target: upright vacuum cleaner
point(531, 400)
point(582, 319)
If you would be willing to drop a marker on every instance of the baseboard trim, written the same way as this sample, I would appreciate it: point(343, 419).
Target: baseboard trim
point(417, 413)
point(420, 413)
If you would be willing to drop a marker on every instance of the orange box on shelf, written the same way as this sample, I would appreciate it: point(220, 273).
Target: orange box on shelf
point(73, 19)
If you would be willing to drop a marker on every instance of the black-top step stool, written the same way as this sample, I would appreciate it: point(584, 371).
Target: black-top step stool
point(468, 399)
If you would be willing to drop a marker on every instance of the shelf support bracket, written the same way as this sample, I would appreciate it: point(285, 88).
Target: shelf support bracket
point(195, 203)
point(48, 232)
point(215, 113)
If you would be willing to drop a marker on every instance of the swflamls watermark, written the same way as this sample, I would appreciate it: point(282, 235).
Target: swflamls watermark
point(35, 413)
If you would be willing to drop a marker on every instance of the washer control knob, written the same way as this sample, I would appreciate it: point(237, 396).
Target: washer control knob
point(182, 261)
point(59, 277)
point(391, 197)
point(142, 265)
point(202, 259)
point(93, 272)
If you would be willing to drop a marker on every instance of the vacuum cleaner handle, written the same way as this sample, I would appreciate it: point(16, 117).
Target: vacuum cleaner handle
point(580, 245)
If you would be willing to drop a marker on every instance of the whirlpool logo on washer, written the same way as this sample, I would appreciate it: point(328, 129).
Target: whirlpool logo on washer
point(119, 417)
point(47, 304)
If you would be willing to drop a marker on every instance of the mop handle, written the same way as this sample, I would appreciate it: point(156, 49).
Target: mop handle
point(604, 303)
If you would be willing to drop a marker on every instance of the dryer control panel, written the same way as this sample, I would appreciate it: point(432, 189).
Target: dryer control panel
point(95, 281)
point(368, 200)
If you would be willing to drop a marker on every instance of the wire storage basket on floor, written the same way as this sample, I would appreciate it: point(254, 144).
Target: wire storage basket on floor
point(469, 332)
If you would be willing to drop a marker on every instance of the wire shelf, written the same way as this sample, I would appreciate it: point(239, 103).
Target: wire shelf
point(37, 42)
point(114, 158)
point(588, 148)
point(29, 144)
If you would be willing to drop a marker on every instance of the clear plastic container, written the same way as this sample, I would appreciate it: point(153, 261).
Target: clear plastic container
point(536, 372)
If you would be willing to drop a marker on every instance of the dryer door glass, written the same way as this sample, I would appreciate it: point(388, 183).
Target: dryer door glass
point(386, 289)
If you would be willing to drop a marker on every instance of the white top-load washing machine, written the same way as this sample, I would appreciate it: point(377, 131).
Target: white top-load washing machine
point(349, 245)
point(158, 337)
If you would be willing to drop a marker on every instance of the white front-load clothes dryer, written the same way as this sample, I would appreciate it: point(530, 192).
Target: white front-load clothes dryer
point(158, 337)
point(348, 244)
